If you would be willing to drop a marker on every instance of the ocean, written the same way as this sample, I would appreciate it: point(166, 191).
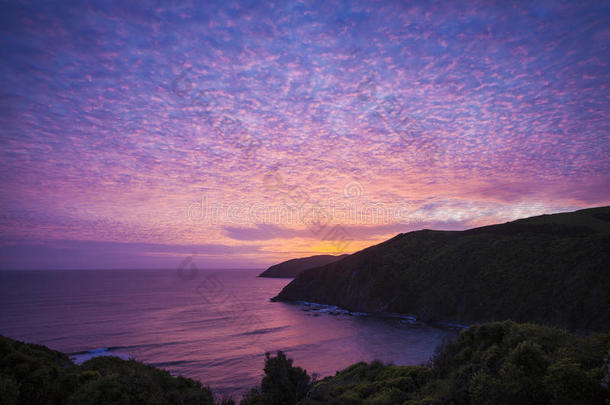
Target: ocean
point(211, 325)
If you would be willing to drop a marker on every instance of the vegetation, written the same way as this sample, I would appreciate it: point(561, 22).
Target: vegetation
point(34, 374)
point(551, 269)
point(283, 384)
point(494, 363)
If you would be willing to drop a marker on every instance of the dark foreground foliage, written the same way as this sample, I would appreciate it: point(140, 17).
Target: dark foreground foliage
point(283, 383)
point(494, 363)
point(33, 374)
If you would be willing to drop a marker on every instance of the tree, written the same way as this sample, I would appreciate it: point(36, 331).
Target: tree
point(283, 384)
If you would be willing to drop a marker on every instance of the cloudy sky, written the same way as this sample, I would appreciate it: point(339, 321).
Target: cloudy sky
point(134, 134)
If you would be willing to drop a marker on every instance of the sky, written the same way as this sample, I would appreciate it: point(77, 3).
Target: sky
point(236, 134)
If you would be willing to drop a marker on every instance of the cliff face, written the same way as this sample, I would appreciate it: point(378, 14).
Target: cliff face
point(551, 269)
point(292, 268)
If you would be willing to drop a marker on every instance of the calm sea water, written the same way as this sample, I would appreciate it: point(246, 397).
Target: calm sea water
point(213, 326)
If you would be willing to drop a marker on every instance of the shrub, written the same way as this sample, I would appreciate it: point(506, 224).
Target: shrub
point(567, 383)
point(9, 391)
point(283, 384)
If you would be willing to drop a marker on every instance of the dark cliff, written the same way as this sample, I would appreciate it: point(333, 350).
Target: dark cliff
point(552, 269)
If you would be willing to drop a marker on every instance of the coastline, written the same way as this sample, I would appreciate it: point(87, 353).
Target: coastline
point(319, 308)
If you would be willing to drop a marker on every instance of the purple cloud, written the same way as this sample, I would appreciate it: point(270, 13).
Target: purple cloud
point(115, 116)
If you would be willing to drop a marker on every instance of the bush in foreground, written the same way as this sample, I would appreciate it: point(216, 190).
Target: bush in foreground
point(283, 384)
point(495, 363)
point(33, 374)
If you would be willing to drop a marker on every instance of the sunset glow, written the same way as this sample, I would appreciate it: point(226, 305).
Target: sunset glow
point(133, 135)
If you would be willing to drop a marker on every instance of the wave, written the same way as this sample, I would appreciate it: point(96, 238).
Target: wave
point(166, 364)
point(262, 331)
point(335, 310)
point(81, 357)
point(317, 308)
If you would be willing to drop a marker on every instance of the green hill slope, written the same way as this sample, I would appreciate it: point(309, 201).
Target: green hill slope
point(551, 269)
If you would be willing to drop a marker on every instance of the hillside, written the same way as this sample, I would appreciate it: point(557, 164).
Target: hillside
point(292, 268)
point(34, 374)
point(551, 269)
point(497, 363)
